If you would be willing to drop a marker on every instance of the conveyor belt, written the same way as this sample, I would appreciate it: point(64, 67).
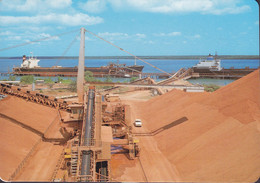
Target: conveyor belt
point(86, 157)
point(34, 96)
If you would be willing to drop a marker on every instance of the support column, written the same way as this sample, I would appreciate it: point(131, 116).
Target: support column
point(81, 67)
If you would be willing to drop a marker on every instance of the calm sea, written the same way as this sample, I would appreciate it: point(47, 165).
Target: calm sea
point(166, 65)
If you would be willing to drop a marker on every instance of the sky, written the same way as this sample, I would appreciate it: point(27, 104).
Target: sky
point(142, 27)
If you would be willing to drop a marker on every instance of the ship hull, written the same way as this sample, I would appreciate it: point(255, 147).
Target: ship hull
point(224, 73)
point(72, 71)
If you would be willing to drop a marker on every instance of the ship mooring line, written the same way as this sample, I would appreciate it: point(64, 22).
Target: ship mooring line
point(67, 49)
point(127, 52)
point(38, 40)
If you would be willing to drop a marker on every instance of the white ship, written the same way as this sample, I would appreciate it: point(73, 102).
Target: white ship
point(211, 64)
point(30, 63)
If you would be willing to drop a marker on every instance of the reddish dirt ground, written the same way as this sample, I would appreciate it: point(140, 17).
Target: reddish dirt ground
point(152, 165)
point(22, 124)
point(123, 169)
point(13, 148)
point(41, 165)
point(35, 115)
point(218, 142)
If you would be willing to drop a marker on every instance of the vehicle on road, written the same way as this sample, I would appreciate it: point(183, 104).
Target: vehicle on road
point(138, 123)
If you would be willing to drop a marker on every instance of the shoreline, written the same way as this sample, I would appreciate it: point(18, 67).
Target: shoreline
point(181, 57)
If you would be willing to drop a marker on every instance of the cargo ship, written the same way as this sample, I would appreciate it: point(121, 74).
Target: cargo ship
point(211, 68)
point(30, 67)
point(209, 64)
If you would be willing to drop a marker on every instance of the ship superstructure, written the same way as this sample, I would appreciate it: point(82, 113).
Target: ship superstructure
point(30, 63)
point(211, 63)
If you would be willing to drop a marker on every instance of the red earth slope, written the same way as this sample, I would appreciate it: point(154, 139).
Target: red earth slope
point(219, 141)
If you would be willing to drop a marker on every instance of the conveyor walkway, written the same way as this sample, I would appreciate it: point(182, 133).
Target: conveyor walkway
point(87, 155)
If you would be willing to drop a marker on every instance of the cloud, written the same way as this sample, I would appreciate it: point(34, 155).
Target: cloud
point(59, 4)
point(114, 36)
point(6, 33)
point(121, 36)
point(168, 34)
point(174, 34)
point(34, 5)
point(140, 36)
point(13, 38)
point(63, 19)
point(193, 37)
point(45, 35)
point(28, 41)
point(27, 36)
point(93, 6)
point(197, 36)
point(86, 38)
point(169, 6)
point(216, 7)
point(228, 7)
point(149, 42)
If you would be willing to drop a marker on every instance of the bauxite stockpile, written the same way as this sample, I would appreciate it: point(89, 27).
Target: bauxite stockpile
point(22, 123)
point(220, 140)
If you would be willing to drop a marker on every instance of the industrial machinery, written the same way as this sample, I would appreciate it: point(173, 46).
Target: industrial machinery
point(34, 96)
point(87, 155)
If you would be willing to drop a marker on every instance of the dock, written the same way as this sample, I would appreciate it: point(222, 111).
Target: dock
point(230, 73)
point(100, 75)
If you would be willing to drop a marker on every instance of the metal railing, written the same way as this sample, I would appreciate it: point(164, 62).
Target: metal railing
point(92, 142)
point(85, 178)
point(102, 178)
point(59, 163)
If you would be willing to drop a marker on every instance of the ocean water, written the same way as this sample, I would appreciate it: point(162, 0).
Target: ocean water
point(166, 65)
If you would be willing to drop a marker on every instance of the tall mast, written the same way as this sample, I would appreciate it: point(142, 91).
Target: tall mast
point(81, 66)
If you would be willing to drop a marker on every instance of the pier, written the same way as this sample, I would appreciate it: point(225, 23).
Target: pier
point(230, 73)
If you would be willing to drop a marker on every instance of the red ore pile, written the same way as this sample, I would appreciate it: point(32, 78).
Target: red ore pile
point(220, 139)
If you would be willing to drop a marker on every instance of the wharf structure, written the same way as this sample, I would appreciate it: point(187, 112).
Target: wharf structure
point(230, 73)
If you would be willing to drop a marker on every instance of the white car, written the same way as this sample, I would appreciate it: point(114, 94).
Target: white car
point(138, 123)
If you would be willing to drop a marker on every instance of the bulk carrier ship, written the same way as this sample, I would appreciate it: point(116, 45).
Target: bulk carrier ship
point(30, 67)
point(211, 68)
point(209, 64)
